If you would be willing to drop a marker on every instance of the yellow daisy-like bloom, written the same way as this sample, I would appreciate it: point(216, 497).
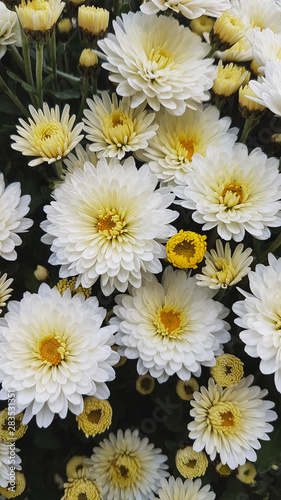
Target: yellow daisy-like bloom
point(223, 469)
point(186, 388)
point(48, 135)
point(41, 273)
point(66, 283)
point(249, 108)
point(191, 463)
point(186, 249)
point(246, 473)
point(14, 490)
point(226, 31)
point(5, 292)
point(38, 17)
point(202, 24)
point(228, 370)
point(88, 62)
point(96, 416)
point(11, 428)
point(93, 23)
point(229, 78)
point(75, 464)
point(81, 486)
point(145, 384)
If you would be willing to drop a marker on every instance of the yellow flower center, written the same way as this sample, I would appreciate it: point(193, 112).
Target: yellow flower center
point(186, 249)
point(49, 138)
point(111, 224)
point(124, 471)
point(225, 272)
point(224, 417)
point(160, 55)
point(185, 147)
point(118, 128)
point(231, 195)
point(52, 349)
point(38, 5)
point(169, 321)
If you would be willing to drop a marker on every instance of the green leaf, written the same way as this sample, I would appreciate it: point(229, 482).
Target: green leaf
point(235, 490)
point(66, 94)
point(25, 86)
point(269, 453)
point(125, 8)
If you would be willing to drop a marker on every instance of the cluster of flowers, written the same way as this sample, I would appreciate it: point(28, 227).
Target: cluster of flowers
point(138, 153)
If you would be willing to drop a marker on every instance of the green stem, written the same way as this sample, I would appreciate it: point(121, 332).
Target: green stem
point(70, 78)
point(272, 247)
point(4, 87)
point(84, 94)
point(17, 57)
point(59, 169)
point(39, 71)
point(249, 125)
point(27, 63)
point(54, 57)
point(211, 240)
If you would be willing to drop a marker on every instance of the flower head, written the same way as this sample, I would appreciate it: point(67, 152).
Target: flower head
point(88, 63)
point(227, 30)
point(170, 152)
point(186, 388)
point(75, 464)
point(235, 192)
point(38, 17)
point(247, 107)
point(266, 47)
point(267, 89)
point(18, 429)
point(191, 9)
point(127, 467)
point(162, 325)
point(5, 292)
point(65, 283)
point(5, 456)
point(186, 249)
point(230, 421)
point(13, 208)
point(53, 351)
point(92, 22)
point(246, 473)
point(114, 128)
point(9, 29)
point(229, 78)
point(109, 221)
point(259, 316)
point(201, 25)
point(81, 485)
point(48, 135)
point(145, 384)
point(177, 489)
point(96, 416)
point(228, 370)
point(158, 61)
point(15, 487)
point(224, 269)
point(191, 463)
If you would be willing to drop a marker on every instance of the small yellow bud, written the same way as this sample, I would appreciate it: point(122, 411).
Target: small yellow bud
point(41, 273)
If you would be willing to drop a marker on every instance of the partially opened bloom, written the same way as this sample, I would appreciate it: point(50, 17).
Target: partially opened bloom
point(5, 291)
point(38, 17)
point(53, 351)
point(234, 191)
point(162, 326)
point(96, 416)
point(166, 68)
point(6, 450)
point(92, 23)
point(268, 88)
point(49, 135)
point(260, 318)
point(191, 463)
point(224, 268)
point(127, 467)
point(81, 485)
point(246, 473)
point(109, 221)
point(114, 128)
point(177, 489)
point(229, 78)
point(191, 9)
point(9, 29)
point(228, 370)
point(13, 208)
point(186, 388)
point(186, 249)
point(231, 421)
point(170, 152)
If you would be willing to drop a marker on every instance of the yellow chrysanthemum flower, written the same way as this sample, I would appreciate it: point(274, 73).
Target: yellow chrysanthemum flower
point(145, 384)
point(88, 62)
point(191, 463)
point(186, 388)
point(202, 24)
point(248, 107)
point(223, 469)
point(229, 78)
point(11, 428)
point(81, 485)
point(75, 464)
point(228, 370)
point(14, 490)
point(38, 18)
point(66, 283)
point(186, 249)
point(48, 135)
point(226, 31)
point(92, 22)
point(96, 416)
point(246, 473)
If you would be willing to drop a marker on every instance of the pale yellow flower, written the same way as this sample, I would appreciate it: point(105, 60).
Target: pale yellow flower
point(228, 370)
point(229, 78)
point(5, 292)
point(81, 485)
point(246, 473)
point(38, 17)
point(145, 384)
point(186, 249)
point(12, 492)
point(191, 463)
point(74, 465)
point(96, 416)
point(186, 388)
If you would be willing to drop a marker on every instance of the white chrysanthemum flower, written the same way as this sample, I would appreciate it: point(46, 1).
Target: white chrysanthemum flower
point(171, 151)
point(191, 9)
point(266, 47)
point(9, 29)
point(13, 208)
point(158, 61)
point(114, 128)
point(53, 351)
point(268, 88)
point(8, 451)
point(163, 326)
point(80, 158)
point(48, 135)
point(5, 291)
point(109, 221)
point(259, 315)
point(177, 489)
point(230, 421)
point(256, 15)
point(224, 269)
point(234, 191)
point(127, 467)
